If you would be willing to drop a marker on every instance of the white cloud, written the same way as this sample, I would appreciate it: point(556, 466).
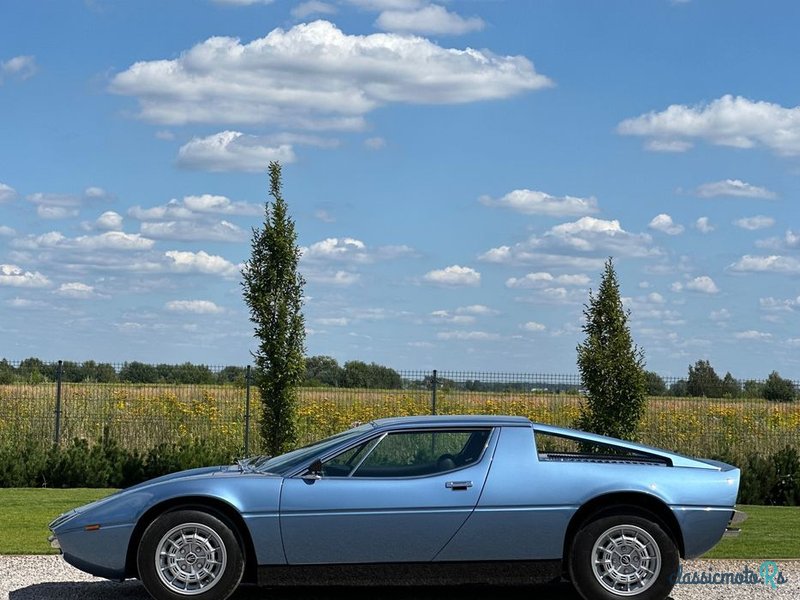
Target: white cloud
point(165, 135)
point(467, 335)
point(533, 327)
point(703, 225)
point(7, 193)
point(379, 5)
point(754, 223)
point(664, 224)
point(727, 121)
point(667, 146)
point(735, 188)
point(569, 244)
point(443, 316)
point(703, 284)
point(12, 275)
point(22, 67)
point(476, 309)
point(767, 264)
point(189, 231)
point(109, 240)
point(200, 262)
point(428, 20)
point(375, 143)
point(76, 290)
point(220, 205)
point(334, 321)
point(778, 305)
point(324, 216)
point(789, 241)
point(198, 307)
point(312, 7)
point(454, 275)
point(350, 250)
point(314, 75)
point(723, 314)
point(543, 279)
point(532, 202)
point(752, 334)
point(56, 212)
point(5, 230)
point(336, 249)
point(337, 278)
point(242, 2)
point(232, 151)
point(109, 220)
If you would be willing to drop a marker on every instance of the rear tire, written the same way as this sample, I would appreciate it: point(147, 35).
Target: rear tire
point(190, 554)
point(623, 556)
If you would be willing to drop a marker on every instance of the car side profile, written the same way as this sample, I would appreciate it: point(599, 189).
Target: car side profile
point(414, 500)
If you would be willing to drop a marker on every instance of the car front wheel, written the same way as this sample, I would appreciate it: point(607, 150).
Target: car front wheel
point(623, 556)
point(190, 553)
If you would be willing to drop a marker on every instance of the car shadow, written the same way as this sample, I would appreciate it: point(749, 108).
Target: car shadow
point(133, 590)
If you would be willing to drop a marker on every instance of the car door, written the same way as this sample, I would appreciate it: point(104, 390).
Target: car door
point(397, 497)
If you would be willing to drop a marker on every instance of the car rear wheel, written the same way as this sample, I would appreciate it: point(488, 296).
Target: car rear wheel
point(623, 556)
point(190, 554)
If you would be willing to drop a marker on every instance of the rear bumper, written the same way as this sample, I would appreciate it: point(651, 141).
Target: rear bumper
point(737, 518)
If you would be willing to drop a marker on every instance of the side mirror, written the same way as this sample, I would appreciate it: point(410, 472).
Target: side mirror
point(314, 471)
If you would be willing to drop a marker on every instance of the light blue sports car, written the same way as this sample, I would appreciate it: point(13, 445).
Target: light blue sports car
point(416, 500)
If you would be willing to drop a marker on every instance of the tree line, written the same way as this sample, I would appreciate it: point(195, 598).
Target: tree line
point(704, 382)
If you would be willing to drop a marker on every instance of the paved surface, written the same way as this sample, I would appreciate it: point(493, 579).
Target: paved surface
point(50, 578)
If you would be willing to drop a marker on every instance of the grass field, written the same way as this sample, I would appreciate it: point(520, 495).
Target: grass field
point(769, 532)
point(141, 416)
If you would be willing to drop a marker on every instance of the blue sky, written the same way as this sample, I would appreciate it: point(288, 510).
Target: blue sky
point(458, 172)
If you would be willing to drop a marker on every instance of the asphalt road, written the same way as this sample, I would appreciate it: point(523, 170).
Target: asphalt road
point(50, 578)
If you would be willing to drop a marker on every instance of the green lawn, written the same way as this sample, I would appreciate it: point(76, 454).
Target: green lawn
point(769, 532)
point(25, 513)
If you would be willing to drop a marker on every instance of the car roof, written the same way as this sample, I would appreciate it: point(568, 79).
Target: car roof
point(452, 420)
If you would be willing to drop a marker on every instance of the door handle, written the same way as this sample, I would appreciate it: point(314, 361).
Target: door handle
point(458, 485)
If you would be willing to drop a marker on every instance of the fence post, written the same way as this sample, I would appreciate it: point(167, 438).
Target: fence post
point(247, 412)
point(433, 393)
point(57, 434)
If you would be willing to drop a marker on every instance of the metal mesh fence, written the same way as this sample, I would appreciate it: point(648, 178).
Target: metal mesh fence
point(140, 406)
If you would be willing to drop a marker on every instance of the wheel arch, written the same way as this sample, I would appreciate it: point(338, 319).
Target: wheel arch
point(215, 506)
point(623, 503)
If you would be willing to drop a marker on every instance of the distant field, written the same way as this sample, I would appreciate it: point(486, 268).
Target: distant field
point(140, 416)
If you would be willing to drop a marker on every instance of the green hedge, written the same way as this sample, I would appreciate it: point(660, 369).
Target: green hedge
point(766, 480)
point(104, 464)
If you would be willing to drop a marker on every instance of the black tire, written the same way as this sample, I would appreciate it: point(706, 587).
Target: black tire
point(200, 546)
point(649, 545)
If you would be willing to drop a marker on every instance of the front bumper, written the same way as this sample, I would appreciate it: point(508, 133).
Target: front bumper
point(54, 543)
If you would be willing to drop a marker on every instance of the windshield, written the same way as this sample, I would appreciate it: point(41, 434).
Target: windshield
point(286, 462)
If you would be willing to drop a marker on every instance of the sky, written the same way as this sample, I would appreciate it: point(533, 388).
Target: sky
point(458, 172)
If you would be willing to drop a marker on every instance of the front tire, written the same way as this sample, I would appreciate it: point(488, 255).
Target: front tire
point(623, 556)
point(190, 554)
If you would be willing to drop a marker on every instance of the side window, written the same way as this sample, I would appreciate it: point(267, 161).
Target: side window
point(417, 453)
point(343, 464)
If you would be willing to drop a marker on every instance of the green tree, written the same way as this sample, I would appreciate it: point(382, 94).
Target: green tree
point(731, 388)
point(778, 389)
point(323, 370)
point(611, 366)
point(704, 381)
point(273, 290)
point(655, 384)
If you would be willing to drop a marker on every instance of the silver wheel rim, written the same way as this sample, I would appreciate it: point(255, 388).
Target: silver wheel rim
point(626, 560)
point(190, 559)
